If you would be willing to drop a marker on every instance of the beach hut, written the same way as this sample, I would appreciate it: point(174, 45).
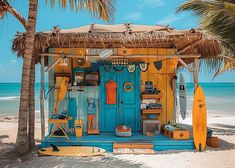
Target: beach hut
point(110, 81)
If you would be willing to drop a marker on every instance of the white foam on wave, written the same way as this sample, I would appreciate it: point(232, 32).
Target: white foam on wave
point(8, 98)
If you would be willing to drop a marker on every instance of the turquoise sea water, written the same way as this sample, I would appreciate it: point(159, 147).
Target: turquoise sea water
point(10, 96)
point(220, 97)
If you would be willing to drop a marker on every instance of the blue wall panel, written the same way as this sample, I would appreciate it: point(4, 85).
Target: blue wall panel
point(127, 109)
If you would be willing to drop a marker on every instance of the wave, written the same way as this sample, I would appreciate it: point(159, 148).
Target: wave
point(9, 98)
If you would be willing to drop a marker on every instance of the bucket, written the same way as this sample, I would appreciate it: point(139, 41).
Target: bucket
point(78, 128)
point(212, 142)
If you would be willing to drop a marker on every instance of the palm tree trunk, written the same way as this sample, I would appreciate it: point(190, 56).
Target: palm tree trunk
point(32, 107)
point(22, 144)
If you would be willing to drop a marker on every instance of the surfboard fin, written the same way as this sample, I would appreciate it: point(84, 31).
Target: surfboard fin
point(54, 148)
point(200, 147)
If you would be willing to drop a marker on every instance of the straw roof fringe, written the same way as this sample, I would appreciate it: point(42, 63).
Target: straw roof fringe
point(131, 36)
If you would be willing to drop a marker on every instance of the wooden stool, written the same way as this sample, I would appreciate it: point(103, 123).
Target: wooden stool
point(60, 124)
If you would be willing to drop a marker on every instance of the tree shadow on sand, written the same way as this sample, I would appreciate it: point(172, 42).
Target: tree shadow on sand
point(9, 158)
point(7, 152)
point(84, 162)
point(222, 129)
point(218, 129)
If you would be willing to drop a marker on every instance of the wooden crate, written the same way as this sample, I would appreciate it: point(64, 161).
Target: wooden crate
point(179, 134)
point(165, 131)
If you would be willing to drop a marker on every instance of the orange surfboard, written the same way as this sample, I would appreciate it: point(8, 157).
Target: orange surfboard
point(199, 120)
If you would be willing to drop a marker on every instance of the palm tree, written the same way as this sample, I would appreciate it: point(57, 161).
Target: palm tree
point(103, 9)
point(218, 18)
point(6, 7)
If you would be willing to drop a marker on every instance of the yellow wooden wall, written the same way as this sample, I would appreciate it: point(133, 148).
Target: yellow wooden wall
point(73, 61)
point(161, 78)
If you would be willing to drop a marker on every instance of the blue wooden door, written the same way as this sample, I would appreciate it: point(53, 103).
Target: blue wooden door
point(127, 109)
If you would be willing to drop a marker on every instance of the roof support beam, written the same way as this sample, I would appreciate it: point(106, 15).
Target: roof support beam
point(189, 46)
point(121, 56)
point(42, 116)
point(195, 74)
point(53, 64)
point(185, 65)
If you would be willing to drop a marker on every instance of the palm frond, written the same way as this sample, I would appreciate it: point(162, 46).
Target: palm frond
point(103, 9)
point(3, 10)
point(210, 65)
point(217, 17)
point(229, 65)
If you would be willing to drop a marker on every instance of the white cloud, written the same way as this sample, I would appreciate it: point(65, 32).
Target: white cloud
point(150, 3)
point(13, 61)
point(169, 19)
point(133, 16)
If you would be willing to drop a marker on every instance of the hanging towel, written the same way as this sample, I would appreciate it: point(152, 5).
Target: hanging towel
point(72, 111)
point(111, 92)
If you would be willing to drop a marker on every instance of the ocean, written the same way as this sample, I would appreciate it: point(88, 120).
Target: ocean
point(220, 97)
point(10, 98)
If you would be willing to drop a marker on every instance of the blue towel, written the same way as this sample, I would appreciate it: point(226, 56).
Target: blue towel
point(72, 111)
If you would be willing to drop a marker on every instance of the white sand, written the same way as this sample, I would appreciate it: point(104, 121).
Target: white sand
point(223, 126)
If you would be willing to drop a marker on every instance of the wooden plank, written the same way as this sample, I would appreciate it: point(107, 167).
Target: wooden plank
point(133, 151)
point(151, 111)
point(53, 64)
point(133, 145)
point(42, 115)
point(151, 96)
point(162, 51)
point(185, 65)
point(126, 56)
point(170, 51)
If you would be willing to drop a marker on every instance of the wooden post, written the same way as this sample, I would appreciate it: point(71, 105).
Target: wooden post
point(185, 65)
point(195, 74)
point(42, 99)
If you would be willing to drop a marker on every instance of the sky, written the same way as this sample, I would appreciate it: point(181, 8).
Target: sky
point(150, 12)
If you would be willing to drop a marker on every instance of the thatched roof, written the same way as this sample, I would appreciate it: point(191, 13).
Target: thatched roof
point(123, 35)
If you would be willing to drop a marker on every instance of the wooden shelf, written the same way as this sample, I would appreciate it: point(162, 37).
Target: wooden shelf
point(151, 111)
point(151, 96)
